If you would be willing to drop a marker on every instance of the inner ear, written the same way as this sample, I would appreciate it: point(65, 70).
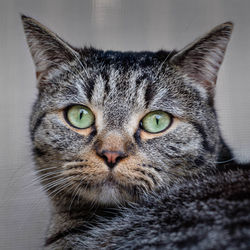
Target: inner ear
point(202, 59)
point(47, 49)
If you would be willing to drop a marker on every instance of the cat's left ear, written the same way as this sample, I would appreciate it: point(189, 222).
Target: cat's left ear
point(48, 50)
point(201, 59)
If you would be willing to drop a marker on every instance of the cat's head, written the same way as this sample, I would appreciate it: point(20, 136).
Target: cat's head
point(110, 126)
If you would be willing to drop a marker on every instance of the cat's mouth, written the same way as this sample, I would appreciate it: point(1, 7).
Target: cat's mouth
point(110, 181)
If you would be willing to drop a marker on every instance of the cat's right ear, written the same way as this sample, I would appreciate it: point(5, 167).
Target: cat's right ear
point(47, 49)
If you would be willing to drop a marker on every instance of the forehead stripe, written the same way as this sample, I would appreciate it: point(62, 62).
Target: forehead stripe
point(89, 88)
point(149, 93)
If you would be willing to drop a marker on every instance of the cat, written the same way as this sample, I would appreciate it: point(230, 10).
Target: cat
point(128, 148)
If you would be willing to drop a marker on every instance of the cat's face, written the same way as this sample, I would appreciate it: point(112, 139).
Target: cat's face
point(108, 127)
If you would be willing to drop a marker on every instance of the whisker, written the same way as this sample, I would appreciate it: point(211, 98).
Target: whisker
point(74, 194)
point(221, 162)
point(52, 184)
point(32, 183)
point(40, 178)
point(57, 191)
point(44, 169)
point(160, 68)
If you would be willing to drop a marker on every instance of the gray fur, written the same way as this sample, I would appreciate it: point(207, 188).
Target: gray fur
point(207, 213)
point(120, 88)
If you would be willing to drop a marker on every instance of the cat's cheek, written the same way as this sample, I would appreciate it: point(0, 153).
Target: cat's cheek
point(88, 163)
point(136, 171)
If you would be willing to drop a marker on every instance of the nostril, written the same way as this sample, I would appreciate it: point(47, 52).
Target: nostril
point(112, 157)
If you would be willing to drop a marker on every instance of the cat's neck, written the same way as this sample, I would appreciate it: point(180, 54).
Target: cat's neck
point(69, 222)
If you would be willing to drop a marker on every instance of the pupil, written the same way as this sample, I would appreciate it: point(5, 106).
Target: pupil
point(81, 114)
point(157, 119)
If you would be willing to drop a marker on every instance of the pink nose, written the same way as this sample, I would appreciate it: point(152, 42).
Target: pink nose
point(112, 157)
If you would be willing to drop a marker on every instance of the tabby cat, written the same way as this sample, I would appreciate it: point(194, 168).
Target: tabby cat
point(128, 148)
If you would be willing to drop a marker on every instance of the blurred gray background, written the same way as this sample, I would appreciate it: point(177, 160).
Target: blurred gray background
point(107, 24)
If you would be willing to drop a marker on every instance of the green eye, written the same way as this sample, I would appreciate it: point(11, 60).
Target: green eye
point(156, 121)
point(80, 116)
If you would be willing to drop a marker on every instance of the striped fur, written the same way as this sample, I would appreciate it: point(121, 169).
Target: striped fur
point(120, 88)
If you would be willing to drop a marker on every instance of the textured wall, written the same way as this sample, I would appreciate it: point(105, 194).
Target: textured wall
point(108, 24)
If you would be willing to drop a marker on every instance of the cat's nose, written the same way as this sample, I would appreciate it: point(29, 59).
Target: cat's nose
point(111, 157)
point(112, 147)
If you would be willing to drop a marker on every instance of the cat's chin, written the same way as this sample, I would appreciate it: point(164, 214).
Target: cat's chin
point(109, 194)
point(109, 191)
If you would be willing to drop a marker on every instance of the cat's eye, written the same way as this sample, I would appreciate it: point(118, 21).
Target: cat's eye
point(156, 121)
point(79, 116)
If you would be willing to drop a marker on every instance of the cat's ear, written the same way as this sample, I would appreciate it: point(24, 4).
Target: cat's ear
point(47, 49)
point(201, 59)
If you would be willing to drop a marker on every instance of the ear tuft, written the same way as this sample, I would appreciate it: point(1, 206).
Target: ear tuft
point(47, 49)
point(201, 59)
